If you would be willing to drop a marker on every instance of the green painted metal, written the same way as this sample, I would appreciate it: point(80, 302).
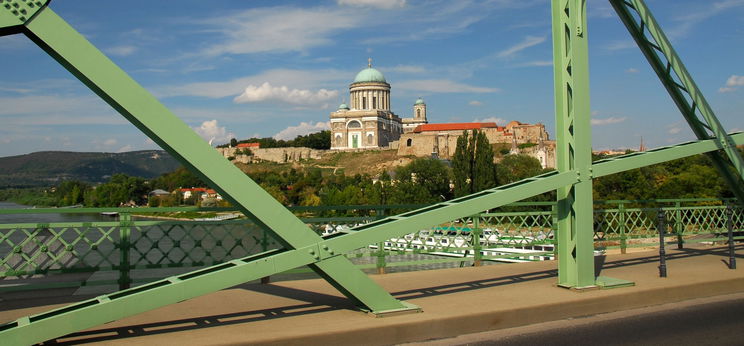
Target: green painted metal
point(302, 246)
point(574, 143)
point(682, 88)
point(113, 85)
point(15, 13)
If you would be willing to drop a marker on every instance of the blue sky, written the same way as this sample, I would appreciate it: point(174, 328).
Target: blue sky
point(271, 68)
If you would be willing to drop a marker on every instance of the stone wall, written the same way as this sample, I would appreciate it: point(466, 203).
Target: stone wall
point(280, 155)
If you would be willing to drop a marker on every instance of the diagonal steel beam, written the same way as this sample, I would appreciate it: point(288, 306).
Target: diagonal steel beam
point(108, 81)
point(685, 93)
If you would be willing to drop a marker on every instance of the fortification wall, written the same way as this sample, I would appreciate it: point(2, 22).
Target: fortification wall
point(280, 155)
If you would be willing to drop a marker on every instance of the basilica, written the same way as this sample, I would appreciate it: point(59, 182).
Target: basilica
point(367, 121)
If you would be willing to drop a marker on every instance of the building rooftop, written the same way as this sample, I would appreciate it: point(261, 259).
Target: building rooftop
point(453, 127)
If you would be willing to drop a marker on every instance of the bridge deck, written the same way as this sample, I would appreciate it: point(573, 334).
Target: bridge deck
point(455, 301)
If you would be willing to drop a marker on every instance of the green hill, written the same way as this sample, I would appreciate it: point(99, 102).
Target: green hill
point(48, 168)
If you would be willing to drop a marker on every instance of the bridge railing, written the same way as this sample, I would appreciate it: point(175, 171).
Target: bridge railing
point(519, 232)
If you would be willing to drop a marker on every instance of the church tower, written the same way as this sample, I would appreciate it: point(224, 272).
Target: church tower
point(419, 116)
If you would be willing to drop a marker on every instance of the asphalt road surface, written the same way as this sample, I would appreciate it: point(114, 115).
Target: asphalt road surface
point(706, 321)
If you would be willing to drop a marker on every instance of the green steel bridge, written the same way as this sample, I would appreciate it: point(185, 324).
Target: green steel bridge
point(286, 242)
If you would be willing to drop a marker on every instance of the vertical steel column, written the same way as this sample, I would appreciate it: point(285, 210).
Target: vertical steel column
point(682, 88)
point(571, 69)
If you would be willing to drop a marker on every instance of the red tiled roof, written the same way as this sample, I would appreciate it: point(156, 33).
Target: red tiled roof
point(453, 127)
point(248, 145)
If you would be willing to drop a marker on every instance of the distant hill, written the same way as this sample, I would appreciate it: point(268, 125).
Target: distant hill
point(47, 168)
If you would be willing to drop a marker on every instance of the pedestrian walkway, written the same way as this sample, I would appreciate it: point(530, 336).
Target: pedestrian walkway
point(455, 301)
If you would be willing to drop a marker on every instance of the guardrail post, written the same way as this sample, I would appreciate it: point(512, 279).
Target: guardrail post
point(730, 226)
point(623, 230)
point(678, 226)
point(265, 247)
point(381, 258)
point(475, 236)
point(554, 227)
point(125, 221)
point(662, 251)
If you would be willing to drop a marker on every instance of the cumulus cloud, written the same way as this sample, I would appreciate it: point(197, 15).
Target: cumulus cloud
point(528, 41)
point(210, 130)
point(498, 121)
point(631, 70)
point(442, 86)
point(383, 4)
point(732, 84)
point(302, 129)
point(110, 142)
point(300, 79)
point(608, 121)
point(267, 92)
point(475, 103)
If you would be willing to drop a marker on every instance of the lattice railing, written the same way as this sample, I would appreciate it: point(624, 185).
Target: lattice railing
point(32, 249)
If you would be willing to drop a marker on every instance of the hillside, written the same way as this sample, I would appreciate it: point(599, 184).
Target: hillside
point(372, 162)
point(47, 168)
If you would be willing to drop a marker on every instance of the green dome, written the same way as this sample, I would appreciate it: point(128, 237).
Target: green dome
point(343, 106)
point(369, 74)
point(420, 101)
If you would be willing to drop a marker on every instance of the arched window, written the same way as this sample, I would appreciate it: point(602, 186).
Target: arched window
point(409, 142)
point(418, 113)
point(354, 124)
point(370, 139)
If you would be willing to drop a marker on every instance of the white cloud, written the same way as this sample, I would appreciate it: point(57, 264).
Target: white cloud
point(698, 15)
point(124, 50)
point(302, 129)
point(279, 29)
point(498, 121)
point(732, 83)
point(210, 130)
point(631, 70)
point(735, 80)
point(57, 110)
point(442, 86)
point(125, 148)
point(110, 142)
point(475, 103)
point(528, 41)
point(300, 79)
point(675, 130)
point(266, 92)
point(383, 4)
point(607, 121)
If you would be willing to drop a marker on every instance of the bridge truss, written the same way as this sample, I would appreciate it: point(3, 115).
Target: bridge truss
point(325, 255)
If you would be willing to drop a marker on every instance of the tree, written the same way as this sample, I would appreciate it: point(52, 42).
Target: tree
point(430, 174)
point(472, 164)
point(233, 142)
point(517, 167)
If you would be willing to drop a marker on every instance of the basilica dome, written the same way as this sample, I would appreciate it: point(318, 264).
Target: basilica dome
point(369, 74)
